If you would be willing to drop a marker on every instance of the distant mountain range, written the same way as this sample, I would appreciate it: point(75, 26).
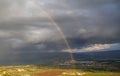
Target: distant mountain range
point(98, 55)
point(49, 58)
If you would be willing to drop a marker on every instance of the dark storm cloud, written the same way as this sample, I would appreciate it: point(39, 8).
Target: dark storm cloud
point(23, 27)
point(98, 20)
point(90, 19)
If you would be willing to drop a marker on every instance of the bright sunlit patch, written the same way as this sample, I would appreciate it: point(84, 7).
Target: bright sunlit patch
point(97, 47)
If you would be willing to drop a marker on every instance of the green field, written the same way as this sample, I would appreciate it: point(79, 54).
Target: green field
point(32, 70)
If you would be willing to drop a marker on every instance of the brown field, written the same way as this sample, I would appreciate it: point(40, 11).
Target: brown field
point(115, 75)
point(49, 73)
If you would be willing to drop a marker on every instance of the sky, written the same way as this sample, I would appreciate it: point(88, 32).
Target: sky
point(89, 25)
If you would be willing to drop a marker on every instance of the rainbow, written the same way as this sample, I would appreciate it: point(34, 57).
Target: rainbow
point(59, 30)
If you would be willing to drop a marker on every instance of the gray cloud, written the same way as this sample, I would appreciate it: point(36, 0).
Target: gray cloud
point(23, 25)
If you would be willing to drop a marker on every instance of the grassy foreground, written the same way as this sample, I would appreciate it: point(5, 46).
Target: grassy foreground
point(31, 70)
